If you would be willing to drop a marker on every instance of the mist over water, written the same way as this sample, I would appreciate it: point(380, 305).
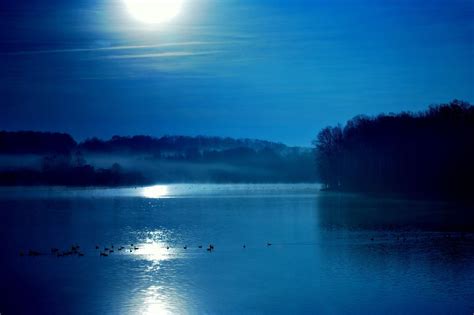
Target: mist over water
point(330, 253)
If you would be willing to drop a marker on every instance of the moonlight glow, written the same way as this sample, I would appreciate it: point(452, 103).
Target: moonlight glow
point(153, 11)
point(155, 192)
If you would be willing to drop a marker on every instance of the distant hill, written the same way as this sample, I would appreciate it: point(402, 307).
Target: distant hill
point(175, 144)
point(43, 158)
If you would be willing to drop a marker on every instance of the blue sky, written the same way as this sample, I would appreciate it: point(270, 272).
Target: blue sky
point(270, 69)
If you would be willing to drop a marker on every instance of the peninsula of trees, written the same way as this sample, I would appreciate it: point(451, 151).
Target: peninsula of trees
point(430, 153)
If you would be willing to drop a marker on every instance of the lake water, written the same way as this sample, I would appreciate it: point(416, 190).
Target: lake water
point(330, 254)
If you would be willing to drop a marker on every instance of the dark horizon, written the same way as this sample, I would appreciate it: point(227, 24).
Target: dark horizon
point(105, 138)
point(421, 154)
point(304, 145)
point(81, 136)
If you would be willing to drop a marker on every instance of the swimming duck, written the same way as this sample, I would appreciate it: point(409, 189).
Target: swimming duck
point(33, 253)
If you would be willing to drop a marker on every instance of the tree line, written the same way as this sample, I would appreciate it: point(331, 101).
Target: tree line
point(428, 153)
point(57, 159)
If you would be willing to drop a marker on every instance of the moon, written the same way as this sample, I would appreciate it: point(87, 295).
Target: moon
point(153, 11)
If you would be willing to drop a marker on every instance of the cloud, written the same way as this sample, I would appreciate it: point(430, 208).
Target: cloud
point(163, 54)
point(110, 48)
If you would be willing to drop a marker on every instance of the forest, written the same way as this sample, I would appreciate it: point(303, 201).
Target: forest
point(428, 153)
point(45, 158)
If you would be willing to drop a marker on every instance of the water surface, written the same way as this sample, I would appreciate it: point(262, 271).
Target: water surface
point(330, 253)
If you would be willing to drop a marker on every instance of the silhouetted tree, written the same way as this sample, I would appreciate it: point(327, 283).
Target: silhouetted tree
point(33, 142)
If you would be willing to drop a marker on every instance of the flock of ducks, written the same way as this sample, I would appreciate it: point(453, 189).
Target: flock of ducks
point(75, 250)
point(107, 251)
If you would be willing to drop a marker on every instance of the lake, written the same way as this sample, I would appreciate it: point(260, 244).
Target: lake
point(330, 253)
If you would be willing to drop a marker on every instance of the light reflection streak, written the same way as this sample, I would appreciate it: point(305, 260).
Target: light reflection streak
point(155, 302)
point(157, 297)
point(155, 192)
point(155, 251)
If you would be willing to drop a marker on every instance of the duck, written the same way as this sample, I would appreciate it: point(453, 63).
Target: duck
point(33, 253)
point(200, 246)
point(167, 247)
point(185, 247)
point(269, 244)
point(244, 246)
point(96, 246)
point(103, 254)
